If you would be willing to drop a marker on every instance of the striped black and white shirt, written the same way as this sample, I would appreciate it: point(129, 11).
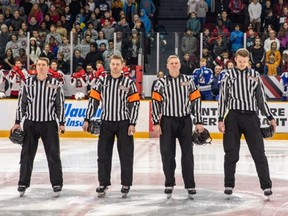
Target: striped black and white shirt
point(242, 91)
point(41, 101)
point(175, 97)
point(119, 99)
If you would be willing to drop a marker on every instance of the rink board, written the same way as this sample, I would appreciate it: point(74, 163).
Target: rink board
point(75, 113)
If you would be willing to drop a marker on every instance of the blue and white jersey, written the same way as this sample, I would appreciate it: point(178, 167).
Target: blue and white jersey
point(203, 77)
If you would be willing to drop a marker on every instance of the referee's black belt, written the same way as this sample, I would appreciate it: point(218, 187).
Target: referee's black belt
point(244, 111)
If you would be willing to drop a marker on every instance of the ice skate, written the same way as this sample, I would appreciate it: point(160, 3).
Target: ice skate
point(267, 193)
point(57, 189)
point(101, 191)
point(21, 189)
point(191, 193)
point(228, 191)
point(168, 191)
point(125, 190)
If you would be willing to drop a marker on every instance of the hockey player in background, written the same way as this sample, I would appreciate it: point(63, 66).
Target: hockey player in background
point(17, 75)
point(284, 82)
point(4, 84)
point(55, 73)
point(79, 82)
point(203, 78)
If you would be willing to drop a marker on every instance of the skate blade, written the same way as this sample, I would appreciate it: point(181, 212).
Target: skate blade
point(190, 196)
point(267, 198)
point(169, 196)
point(21, 194)
point(101, 195)
point(228, 196)
point(124, 195)
point(56, 194)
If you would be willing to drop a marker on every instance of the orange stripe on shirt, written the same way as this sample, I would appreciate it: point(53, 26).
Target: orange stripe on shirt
point(156, 96)
point(134, 97)
point(194, 95)
point(94, 94)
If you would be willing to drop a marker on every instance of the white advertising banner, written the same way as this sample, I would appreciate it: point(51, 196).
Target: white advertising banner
point(75, 112)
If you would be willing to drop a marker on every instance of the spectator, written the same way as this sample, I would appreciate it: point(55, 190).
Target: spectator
point(32, 24)
point(272, 38)
point(255, 10)
point(129, 11)
point(43, 7)
point(277, 54)
point(283, 36)
point(226, 21)
point(65, 49)
point(271, 67)
point(206, 38)
point(257, 55)
point(250, 40)
point(117, 7)
point(266, 8)
point(266, 31)
point(236, 10)
point(78, 60)
point(8, 17)
point(284, 82)
point(48, 21)
point(93, 55)
point(16, 21)
point(93, 19)
point(193, 23)
point(14, 45)
point(74, 7)
point(218, 46)
point(62, 64)
point(148, 6)
point(47, 53)
point(37, 13)
point(270, 19)
point(53, 46)
point(4, 38)
point(108, 53)
point(133, 48)
point(101, 39)
point(222, 59)
point(146, 21)
point(222, 5)
point(54, 14)
point(123, 27)
point(201, 11)
point(60, 29)
point(189, 43)
point(209, 58)
point(187, 66)
point(103, 6)
point(8, 61)
point(278, 8)
point(236, 39)
point(108, 30)
point(221, 30)
point(35, 51)
point(55, 34)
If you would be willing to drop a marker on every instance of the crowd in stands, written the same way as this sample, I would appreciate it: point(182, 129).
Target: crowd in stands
point(82, 31)
point(259, 26)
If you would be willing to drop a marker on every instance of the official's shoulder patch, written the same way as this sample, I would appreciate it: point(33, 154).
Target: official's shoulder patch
point(124, 88)
point(49, 85)
point(185, 83)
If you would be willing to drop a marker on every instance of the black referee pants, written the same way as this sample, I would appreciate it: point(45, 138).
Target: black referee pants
point(181, 128)
point(237, 123)
point(48, 132)
point(125, 145)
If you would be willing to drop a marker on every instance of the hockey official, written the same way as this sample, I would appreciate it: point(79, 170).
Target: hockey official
point(174, 99)
point(120, 104)
point(41, 103)
point(242, 95)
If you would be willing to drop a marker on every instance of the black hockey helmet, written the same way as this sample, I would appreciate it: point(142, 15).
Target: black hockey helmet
point(201, 138)
point(17, 136)
point(94, 127)
point(267, 132)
